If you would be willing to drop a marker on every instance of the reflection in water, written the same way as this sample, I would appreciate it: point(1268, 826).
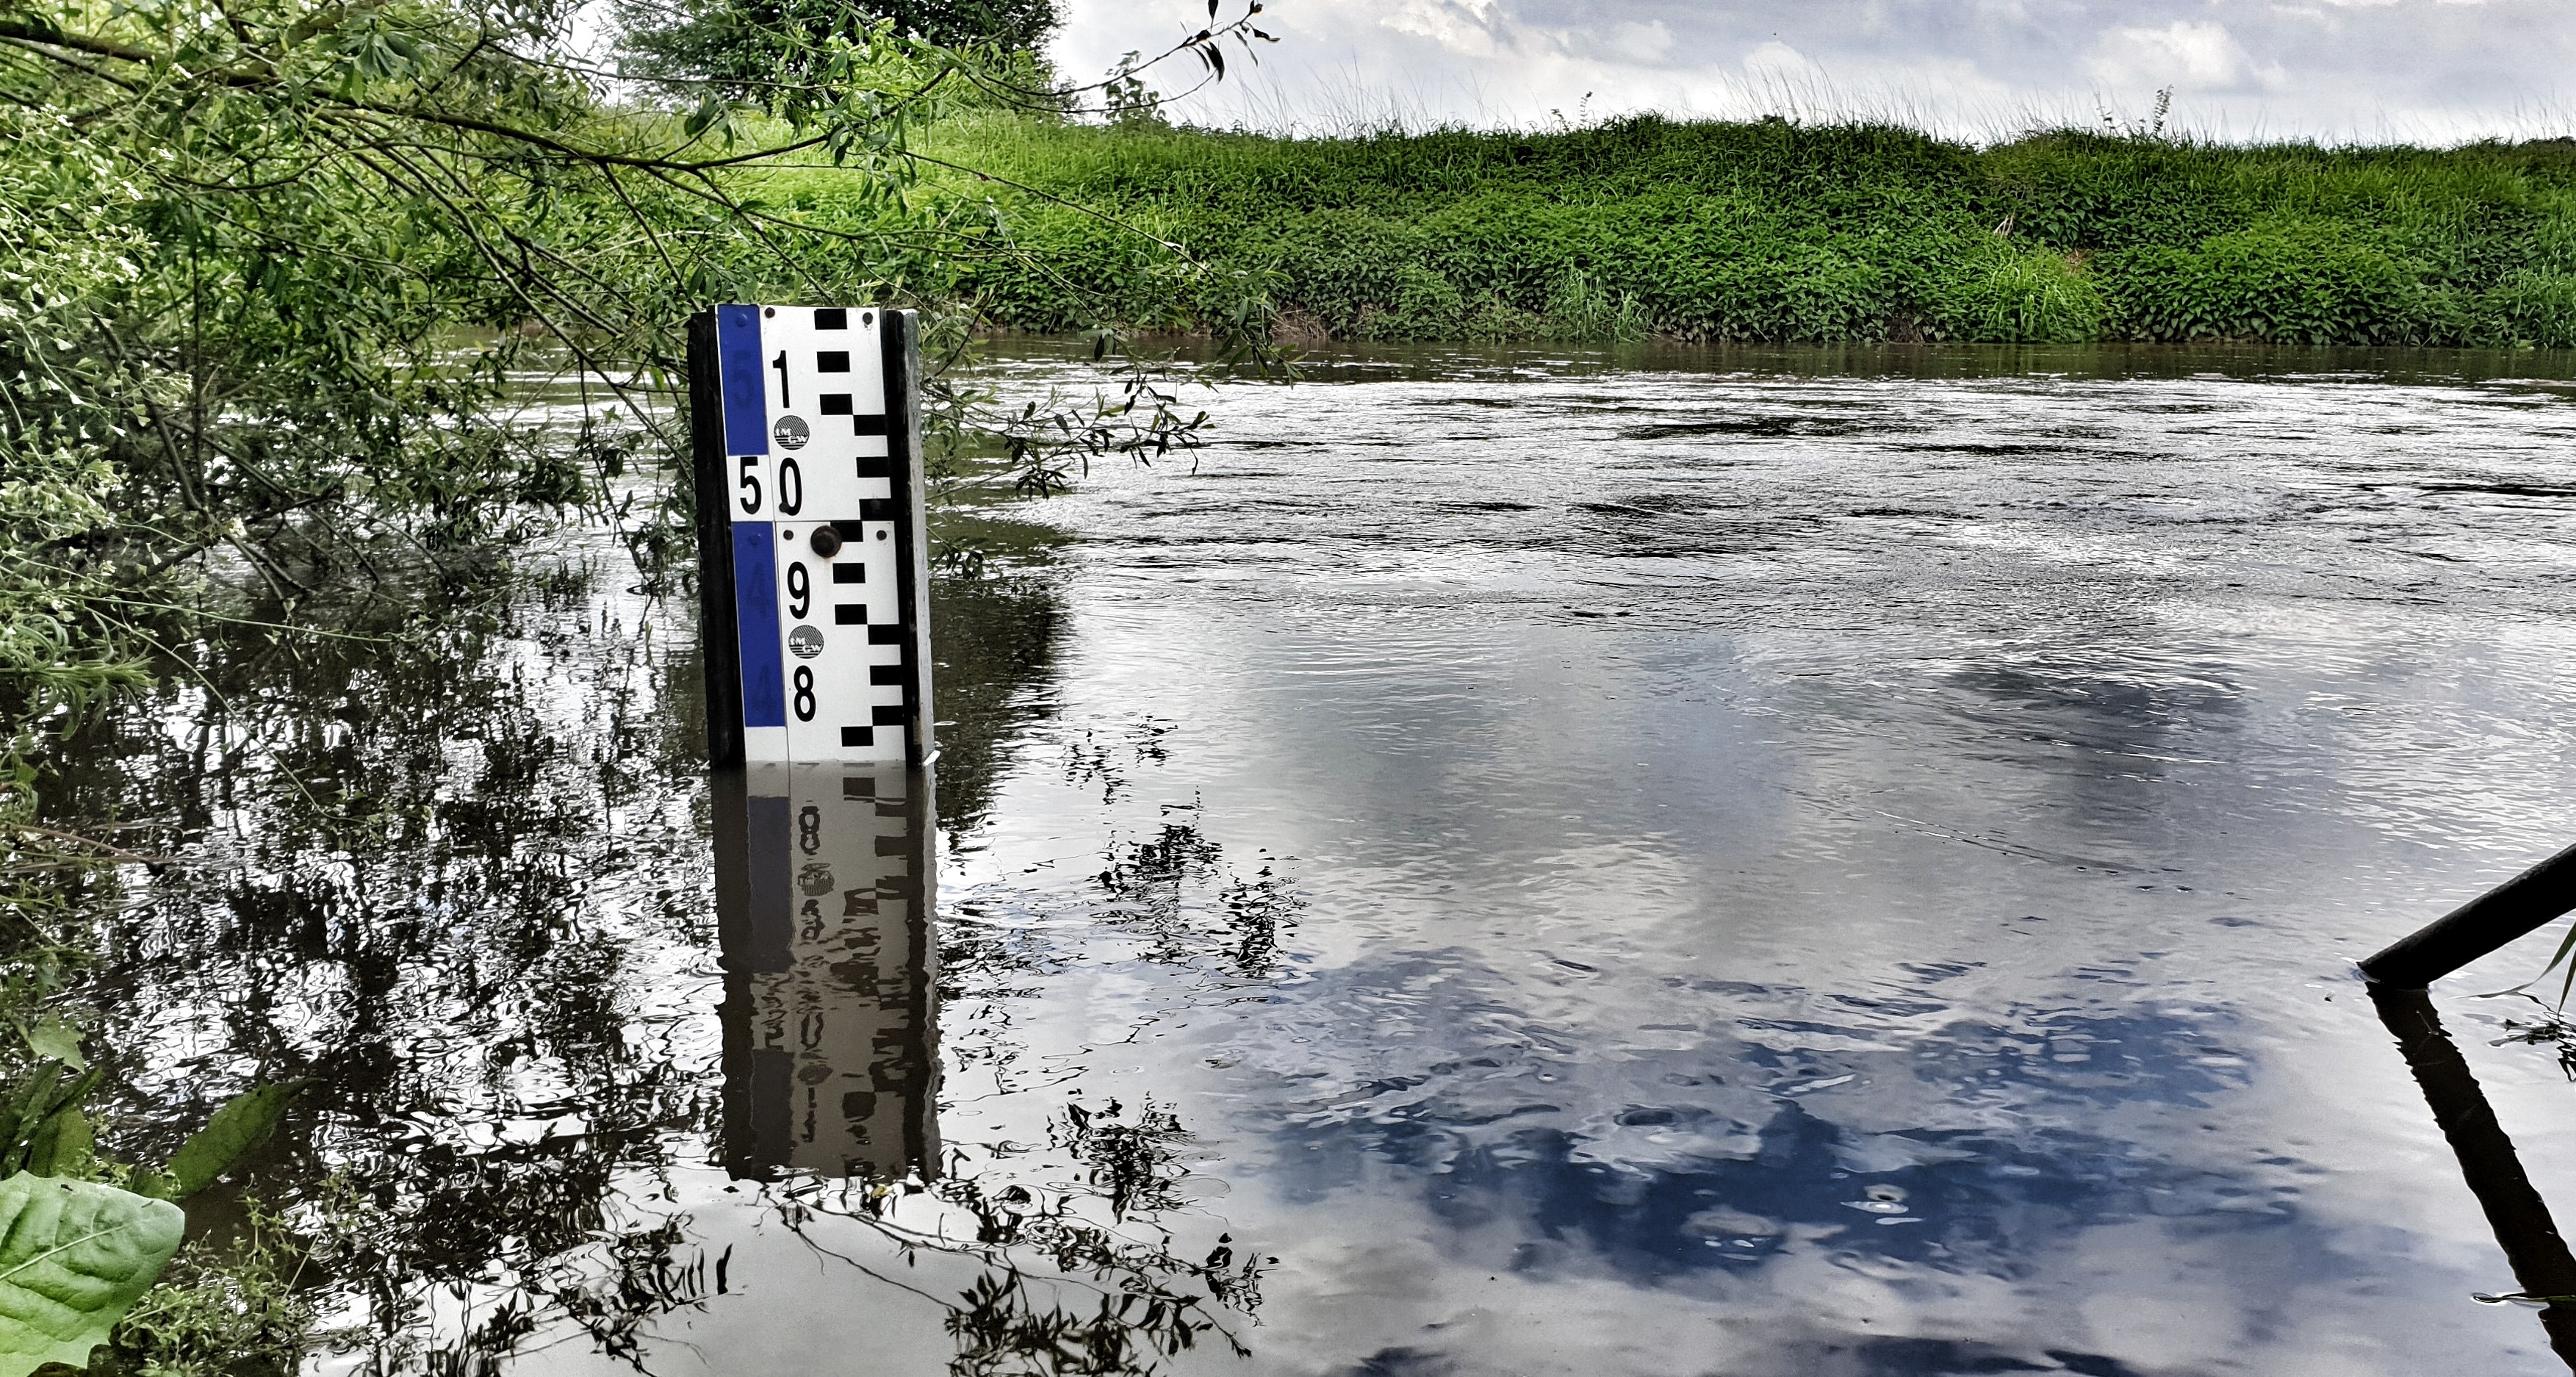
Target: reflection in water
point(429, 864)
point(2488, 1162)
point(448, 864)
point(825, 883)
point(998, 638)
point(1777, 895)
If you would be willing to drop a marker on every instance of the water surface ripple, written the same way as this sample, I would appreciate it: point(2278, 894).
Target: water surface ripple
point(1588, 872)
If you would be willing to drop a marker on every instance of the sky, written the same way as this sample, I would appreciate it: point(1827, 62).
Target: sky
point(2423, 71)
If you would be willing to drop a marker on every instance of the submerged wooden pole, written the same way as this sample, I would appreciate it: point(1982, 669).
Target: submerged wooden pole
point(2513, 909)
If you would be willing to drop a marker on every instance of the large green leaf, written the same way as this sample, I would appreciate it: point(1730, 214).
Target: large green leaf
point(53, 1036)
point(61, 1145)
point(73, 1256)
point(41, 1126)
point(239, 1126)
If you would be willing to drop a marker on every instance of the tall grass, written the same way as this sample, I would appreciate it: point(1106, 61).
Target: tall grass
point(1778, 230)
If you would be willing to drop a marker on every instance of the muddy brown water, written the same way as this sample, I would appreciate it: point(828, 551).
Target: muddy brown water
point(1767, 863)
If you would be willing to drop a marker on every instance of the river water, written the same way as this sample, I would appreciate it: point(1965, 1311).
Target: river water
point(1679, 864)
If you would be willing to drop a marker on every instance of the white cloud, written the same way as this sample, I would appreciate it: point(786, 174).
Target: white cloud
point(2327, 69)
point(2192, 56)
point(1466, 27)
point(1777, 60)
point(1643, 43)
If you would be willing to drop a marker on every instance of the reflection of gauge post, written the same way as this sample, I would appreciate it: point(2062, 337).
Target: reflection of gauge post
point(812, 553)
point(825, 887)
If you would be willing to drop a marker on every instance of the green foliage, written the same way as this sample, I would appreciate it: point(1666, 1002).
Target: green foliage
point(52, 1035)
point(230, 288)
point(73, 1256)
point(76, 1252)
point(238, 1128)
point(745, 49)
point(63, 251)
point(2295, 283)
point(42, 1127)
point(44, 1130)
point(2538, 307)
point(1580, 308)
point(2038, 298)
point(225, 1308)
point(1771, 230)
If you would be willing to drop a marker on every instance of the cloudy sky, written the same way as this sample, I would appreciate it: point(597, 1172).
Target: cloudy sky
point(2419, 70)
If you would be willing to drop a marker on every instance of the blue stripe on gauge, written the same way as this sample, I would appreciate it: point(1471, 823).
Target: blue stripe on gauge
point(755, 601)
point(746, 391)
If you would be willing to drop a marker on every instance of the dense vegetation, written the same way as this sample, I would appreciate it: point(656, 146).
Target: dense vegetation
point(276, 276)
point(279, 280)
point(1778, 231)
point(733, 47)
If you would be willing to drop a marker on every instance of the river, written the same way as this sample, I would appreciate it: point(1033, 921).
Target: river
point(1769, 863)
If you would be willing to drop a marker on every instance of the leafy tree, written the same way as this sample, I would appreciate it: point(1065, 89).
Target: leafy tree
point(277, 278)
point(741, 48)
point(269, 270)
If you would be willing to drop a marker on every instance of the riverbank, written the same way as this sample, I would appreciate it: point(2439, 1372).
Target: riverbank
point(1773, 231)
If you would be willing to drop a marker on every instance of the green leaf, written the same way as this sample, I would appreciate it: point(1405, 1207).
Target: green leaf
point(61, 1145)
point(53, 1036)
point(75, 1256)
point(236, 1128)
point(710, 112)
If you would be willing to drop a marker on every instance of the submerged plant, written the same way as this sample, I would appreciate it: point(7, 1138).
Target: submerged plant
point(2550, 1029)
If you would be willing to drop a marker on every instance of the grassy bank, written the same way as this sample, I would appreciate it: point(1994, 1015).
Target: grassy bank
point(1775, 231)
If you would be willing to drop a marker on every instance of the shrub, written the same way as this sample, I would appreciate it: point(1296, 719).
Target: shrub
point(2294, 283)
point(1580, 308)
point(1770, 230)
point(2037, 297)
point(2536, 308)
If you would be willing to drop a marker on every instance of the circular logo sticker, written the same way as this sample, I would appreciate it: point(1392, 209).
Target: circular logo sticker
point(805, 642)
point(791, 432)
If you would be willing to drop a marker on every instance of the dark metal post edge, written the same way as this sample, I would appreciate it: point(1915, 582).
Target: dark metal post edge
point(902, 342)
point(719, 638)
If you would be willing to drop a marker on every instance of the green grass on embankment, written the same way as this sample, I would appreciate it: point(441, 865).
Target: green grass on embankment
point(1777, 231)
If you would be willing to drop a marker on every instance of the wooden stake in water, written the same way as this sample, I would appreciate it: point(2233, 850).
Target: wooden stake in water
point(2516, 908)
